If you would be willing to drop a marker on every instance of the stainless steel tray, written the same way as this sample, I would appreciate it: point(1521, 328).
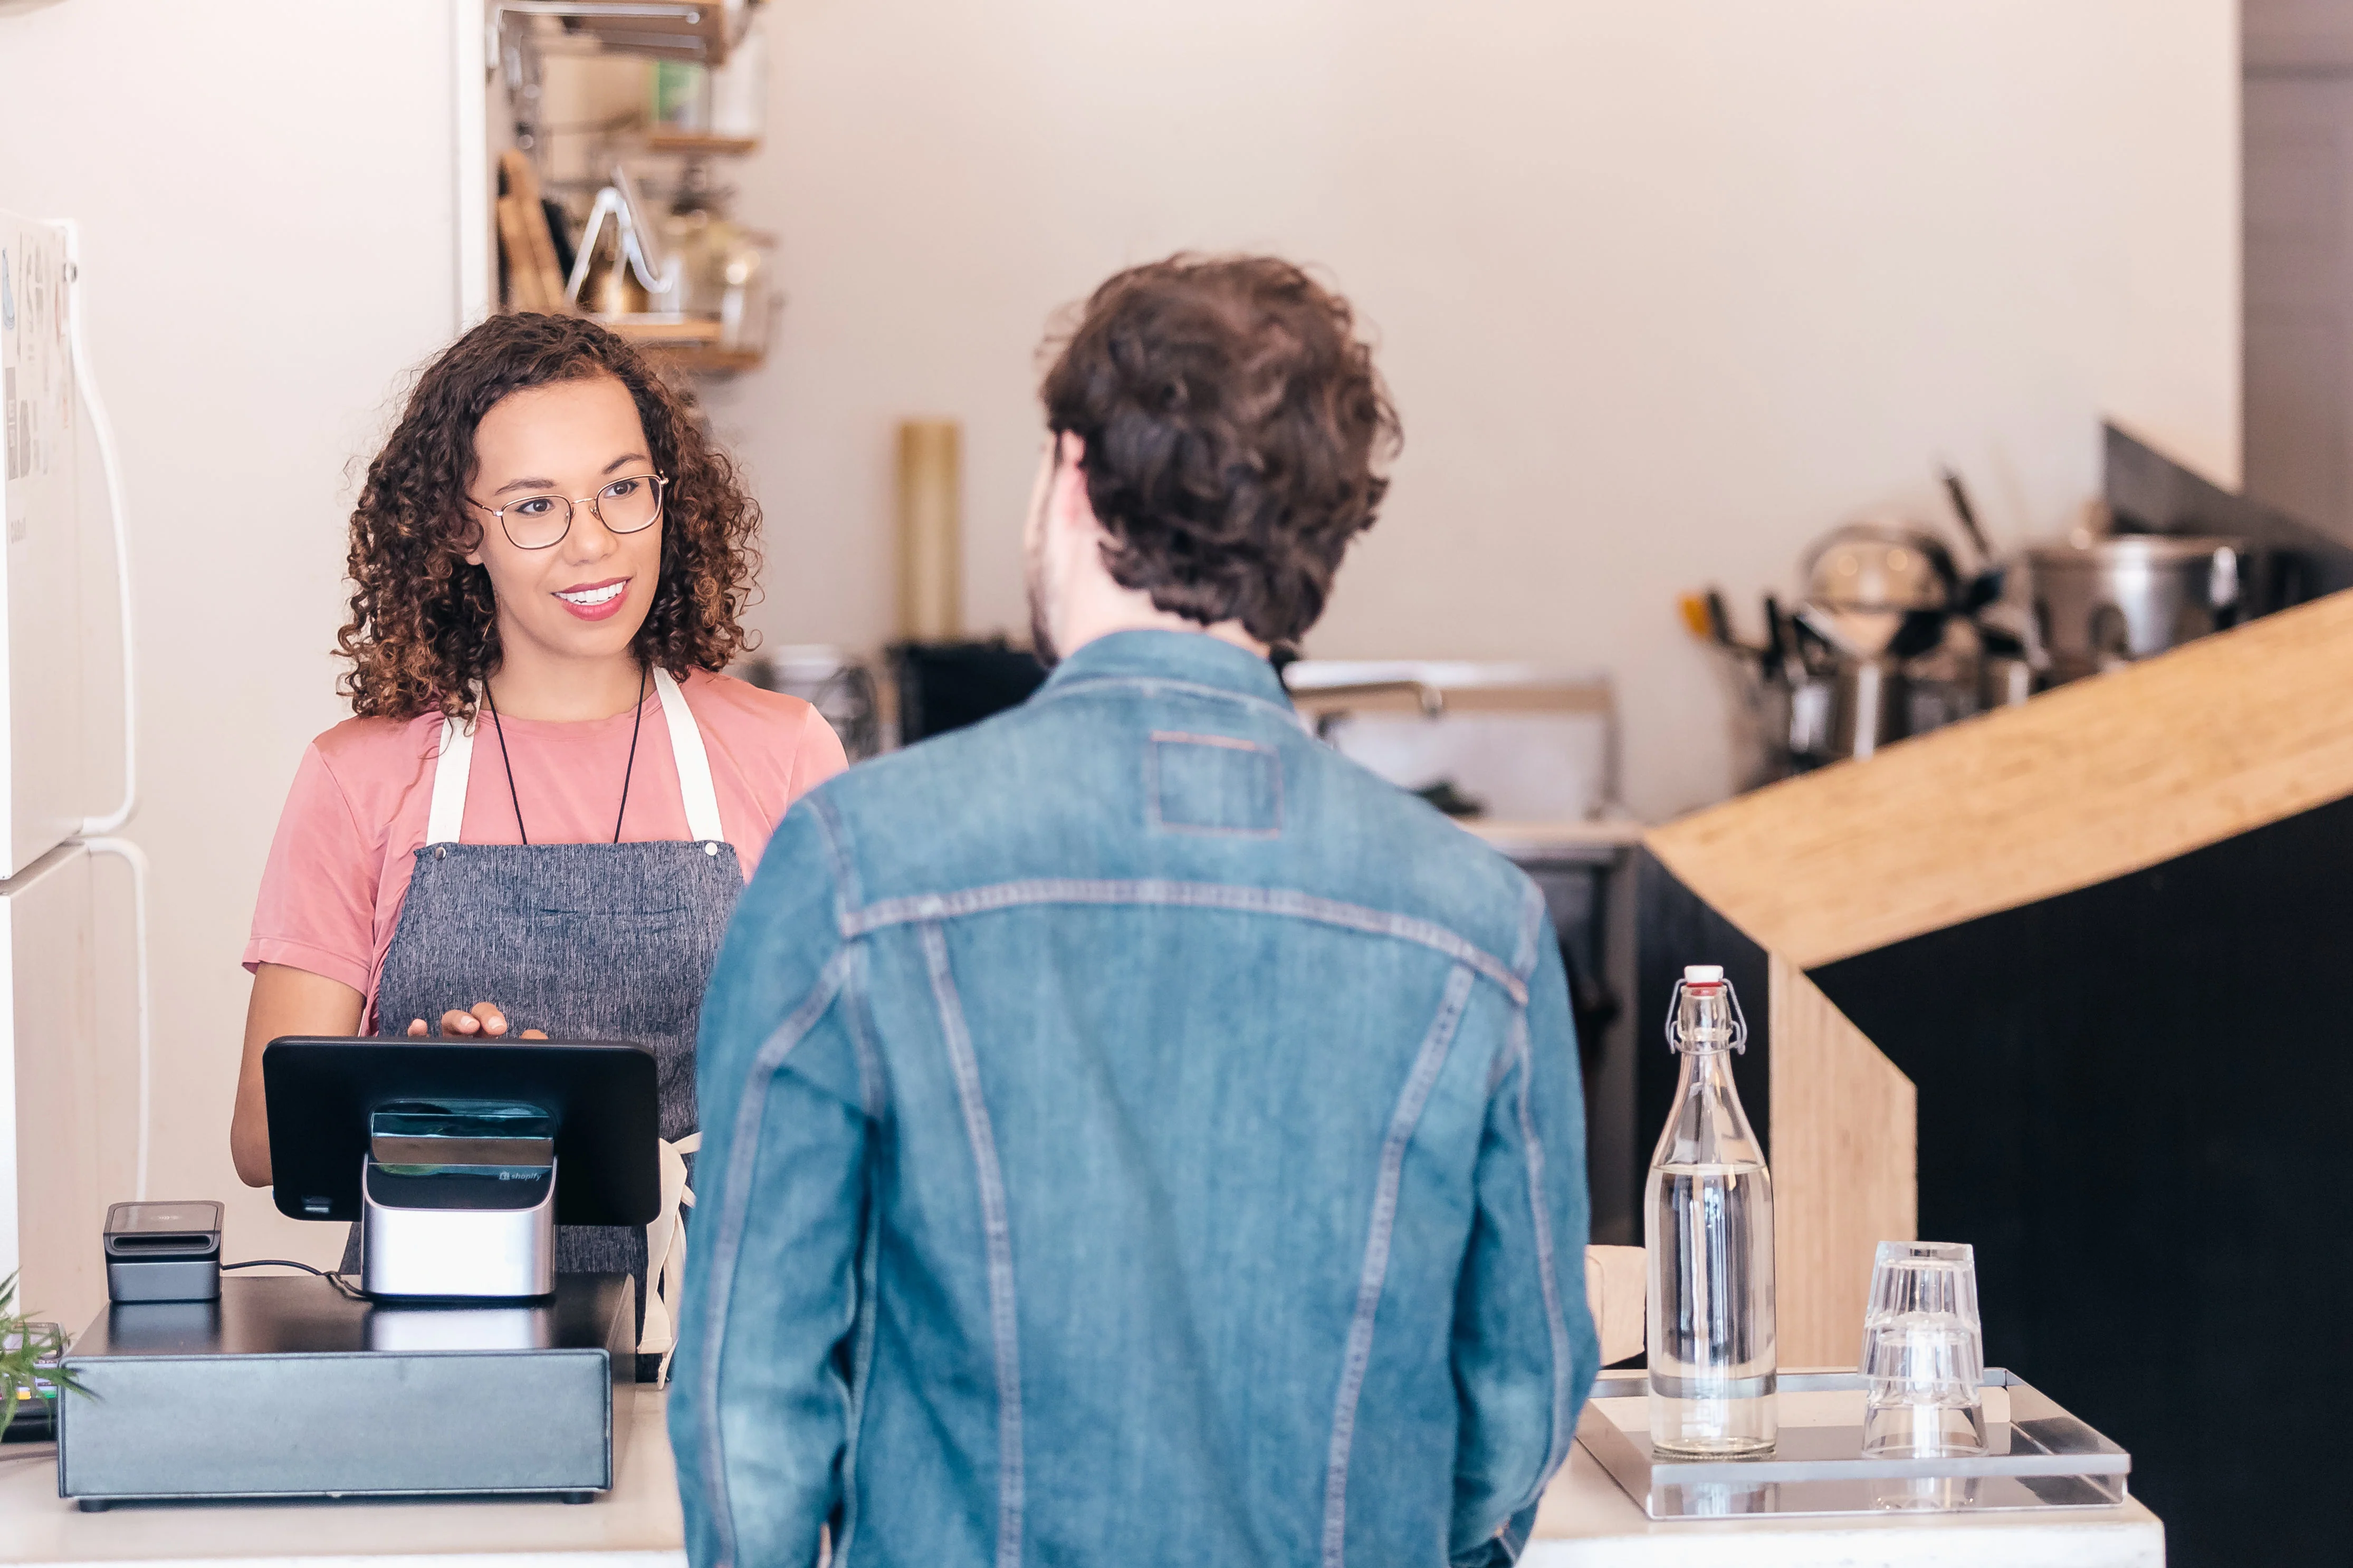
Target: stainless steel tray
point(2037, 1455)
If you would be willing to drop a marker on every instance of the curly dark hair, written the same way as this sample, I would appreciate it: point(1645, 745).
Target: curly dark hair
point(424, 625)
point(1234, 427)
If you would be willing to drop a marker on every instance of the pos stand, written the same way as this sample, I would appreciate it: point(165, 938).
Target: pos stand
point(459, 1199)
point(448, 1152)
point(466, 1365)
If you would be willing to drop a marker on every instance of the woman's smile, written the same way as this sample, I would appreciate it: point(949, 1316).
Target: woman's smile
point(596, 600)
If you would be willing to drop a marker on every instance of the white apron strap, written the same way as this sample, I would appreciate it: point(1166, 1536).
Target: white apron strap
point(693, 762)
point(694, 786)
point(666, 1237)
point(665, 1255)
point(450, 773)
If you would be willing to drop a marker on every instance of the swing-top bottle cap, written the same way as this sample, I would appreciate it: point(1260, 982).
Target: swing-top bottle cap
point(1703, 974)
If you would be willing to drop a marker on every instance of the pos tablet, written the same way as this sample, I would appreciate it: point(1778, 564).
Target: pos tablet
point(323, 1095)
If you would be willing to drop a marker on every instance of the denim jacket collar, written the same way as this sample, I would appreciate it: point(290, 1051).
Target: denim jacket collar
point(1191, 658)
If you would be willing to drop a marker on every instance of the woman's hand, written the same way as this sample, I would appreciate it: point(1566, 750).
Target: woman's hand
point(482, 1021)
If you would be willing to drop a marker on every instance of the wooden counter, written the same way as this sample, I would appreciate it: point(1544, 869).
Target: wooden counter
point(1586, 1522)
point(2061, 982)
point(636, 1525)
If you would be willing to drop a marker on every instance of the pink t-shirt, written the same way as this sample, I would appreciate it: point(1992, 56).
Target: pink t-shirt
point(338, 871)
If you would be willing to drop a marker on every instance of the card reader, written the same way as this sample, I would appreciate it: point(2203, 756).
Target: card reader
point(164, 1252)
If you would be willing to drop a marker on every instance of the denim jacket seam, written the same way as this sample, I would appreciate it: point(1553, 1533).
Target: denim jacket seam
point(1373, 1277)
point(872, 1093)
point(1507, 1058)
point(1093, 685)
point(1283, 902)
point(1547, 1264)
point(732, 1205)
point(998, 1241)
point(836, 834)
point(873, 1083)
point(1532, 914)
point(1201, 830)
point(861, 1364)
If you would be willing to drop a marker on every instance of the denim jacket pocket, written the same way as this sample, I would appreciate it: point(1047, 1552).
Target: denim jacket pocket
point(1212, 784)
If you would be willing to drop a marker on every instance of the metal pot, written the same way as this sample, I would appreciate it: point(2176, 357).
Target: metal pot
point(2103, 603)
point(1881, 566)
point(1878, 596)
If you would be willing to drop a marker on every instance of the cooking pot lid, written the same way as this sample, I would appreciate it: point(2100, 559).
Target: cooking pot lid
point(2134, 550)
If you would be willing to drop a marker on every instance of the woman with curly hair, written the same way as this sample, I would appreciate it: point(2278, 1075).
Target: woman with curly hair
point(542, 814)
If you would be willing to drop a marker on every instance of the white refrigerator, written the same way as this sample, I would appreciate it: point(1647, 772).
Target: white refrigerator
point(72, 1086)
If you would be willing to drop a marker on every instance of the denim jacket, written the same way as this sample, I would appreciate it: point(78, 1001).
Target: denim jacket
point(1134, 1134)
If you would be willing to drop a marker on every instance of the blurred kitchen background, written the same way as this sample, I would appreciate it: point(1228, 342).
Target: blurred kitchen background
point(1665, 303)
point(1993, 344)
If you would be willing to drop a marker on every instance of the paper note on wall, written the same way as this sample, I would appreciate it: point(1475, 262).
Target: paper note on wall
point(36, 373)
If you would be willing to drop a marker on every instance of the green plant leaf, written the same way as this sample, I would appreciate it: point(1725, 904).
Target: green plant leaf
point(30, 1353)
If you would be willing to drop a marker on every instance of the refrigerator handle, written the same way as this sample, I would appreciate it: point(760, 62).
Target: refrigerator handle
point(101, 429)
point(136, 858)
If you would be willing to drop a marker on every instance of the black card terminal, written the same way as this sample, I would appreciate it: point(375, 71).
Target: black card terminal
point(164, 1251)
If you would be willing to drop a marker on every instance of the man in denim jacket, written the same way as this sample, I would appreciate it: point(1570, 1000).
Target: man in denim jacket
point(1134, 1133)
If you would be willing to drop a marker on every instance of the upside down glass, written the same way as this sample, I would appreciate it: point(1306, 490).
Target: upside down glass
point(1708, 1233)
point(1924, 1353)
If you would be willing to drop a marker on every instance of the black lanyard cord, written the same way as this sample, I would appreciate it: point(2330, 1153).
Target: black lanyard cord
point(632, 767)
point(636, 727)
point(520, 830)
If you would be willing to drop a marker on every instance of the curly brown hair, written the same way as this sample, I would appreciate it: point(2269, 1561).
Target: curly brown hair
point(1234, 425)
point(423, 626)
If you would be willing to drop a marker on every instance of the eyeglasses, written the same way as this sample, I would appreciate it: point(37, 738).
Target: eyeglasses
point(629, 505)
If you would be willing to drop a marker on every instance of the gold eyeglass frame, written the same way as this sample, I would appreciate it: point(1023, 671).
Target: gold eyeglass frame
point(572, 510)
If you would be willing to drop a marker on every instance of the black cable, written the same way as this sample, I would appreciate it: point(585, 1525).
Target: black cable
point(644, 671)
point(501, 729)
point(342, 1285)
point(276, 1263)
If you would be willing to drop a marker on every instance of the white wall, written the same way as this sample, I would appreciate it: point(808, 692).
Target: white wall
point(1665, 290)
point(264, 193)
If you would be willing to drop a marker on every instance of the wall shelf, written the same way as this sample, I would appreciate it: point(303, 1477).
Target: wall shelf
point(687, 343)
point(699, 143)
point(707, 359)
point(666, 331)
point(553, 71)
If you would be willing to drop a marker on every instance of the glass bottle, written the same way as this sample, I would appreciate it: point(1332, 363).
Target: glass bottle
point(1707, 1228)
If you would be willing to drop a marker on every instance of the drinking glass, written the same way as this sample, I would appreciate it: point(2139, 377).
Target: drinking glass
point(1922, 1352)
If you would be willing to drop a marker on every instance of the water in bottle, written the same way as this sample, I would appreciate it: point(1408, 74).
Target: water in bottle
point(1708, 1231)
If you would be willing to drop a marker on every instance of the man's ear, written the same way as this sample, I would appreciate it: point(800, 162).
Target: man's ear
point(1068, 504)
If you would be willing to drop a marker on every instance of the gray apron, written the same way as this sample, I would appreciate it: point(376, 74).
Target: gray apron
point(588, 941)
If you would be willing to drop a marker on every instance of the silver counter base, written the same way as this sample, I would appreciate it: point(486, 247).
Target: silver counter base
point(2039, 1457)
point(287, 1388)
point(488, 1245)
